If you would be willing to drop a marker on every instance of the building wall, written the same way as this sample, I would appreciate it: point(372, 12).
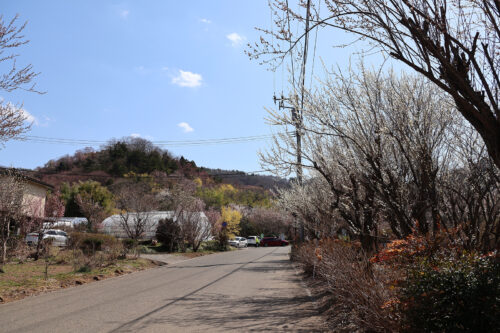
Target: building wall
point(34, 200)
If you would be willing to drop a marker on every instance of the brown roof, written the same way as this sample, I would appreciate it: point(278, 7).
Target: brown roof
point(21, 173)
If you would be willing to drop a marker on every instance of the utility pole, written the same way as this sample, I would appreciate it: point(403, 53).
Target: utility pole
point(297, 113)
point(297, 121)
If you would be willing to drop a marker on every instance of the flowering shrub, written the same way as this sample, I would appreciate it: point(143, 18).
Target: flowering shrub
point(402, 252)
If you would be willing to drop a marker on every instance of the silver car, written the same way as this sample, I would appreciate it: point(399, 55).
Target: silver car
point(59, 237)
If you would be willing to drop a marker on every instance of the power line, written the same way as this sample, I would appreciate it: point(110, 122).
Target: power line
point(161, 143)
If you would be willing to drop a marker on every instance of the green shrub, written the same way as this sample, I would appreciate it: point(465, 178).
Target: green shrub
point(84, 269)
point(453, 295)
point(91, 242)
point(129, 243)
point(211, 245)
point(168, 233)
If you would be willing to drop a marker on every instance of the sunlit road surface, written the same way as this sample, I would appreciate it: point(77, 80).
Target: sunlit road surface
point(255, 289)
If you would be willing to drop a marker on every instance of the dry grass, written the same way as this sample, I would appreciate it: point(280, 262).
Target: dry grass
point(22, 279)
point(358, 295)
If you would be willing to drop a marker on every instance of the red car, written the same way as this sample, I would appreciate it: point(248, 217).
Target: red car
point(273, 241)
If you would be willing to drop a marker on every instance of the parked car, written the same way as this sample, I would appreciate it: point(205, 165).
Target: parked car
point(273, 241)
point(238, 242)
point(59, 237)
point(253, 241)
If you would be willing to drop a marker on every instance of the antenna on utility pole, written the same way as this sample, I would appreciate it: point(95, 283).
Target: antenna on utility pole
point(297, 121)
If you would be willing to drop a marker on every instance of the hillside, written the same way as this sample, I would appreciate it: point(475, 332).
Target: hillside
point(139, 156)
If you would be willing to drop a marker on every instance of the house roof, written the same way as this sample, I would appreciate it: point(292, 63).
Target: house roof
point(20, 173)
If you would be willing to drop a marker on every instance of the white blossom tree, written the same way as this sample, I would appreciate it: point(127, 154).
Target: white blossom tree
point(453, 43)
point(13, 118)
point(378, 142)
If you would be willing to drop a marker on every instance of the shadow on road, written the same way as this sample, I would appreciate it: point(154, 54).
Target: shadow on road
point(274, 307)
point(283, 313)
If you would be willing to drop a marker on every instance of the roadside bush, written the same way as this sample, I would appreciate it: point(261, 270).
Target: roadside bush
point(97, 249)
point(211, 245)
point(452, 295)
point(168, 233)
point(357, 288)
point(91, 240)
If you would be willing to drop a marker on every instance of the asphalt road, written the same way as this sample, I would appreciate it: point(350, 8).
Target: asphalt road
point(246, 290)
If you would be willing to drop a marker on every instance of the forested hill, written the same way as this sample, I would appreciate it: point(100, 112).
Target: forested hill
point(236, 177)
point(139, 156)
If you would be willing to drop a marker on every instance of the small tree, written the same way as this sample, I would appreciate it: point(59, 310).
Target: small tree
point(91, 193)
point(136, 203)
point(232, 218)
point(227, 226)
point(194, 229)
point(11, 208)
point(54, 205)
point(92, 209)
point(169, 234)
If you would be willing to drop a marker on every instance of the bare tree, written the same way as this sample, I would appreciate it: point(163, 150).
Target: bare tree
point(13, 117)
point(136, 203)
point(194, 227)
point(12, 208)
point(92, 210)
point(453, 43)
point(470, 197)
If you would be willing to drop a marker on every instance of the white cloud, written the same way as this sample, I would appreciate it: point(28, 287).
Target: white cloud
point(124, 13)
point(135, 135)
point(236, 39)
point(185, 126)
point(204, 20)
point(29, 117)
point(164, 68)
point(187, 79)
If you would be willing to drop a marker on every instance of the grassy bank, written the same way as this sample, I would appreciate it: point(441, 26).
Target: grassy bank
point(23, 279)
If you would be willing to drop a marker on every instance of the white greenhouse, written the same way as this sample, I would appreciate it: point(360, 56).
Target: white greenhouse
point(114, 225)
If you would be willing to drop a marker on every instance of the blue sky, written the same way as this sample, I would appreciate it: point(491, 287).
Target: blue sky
point(162, 70)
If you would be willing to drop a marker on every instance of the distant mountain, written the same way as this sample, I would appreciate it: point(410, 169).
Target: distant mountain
point(241, 178)
point(140, 156)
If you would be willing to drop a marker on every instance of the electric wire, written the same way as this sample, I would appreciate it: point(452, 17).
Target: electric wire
point(160, 143)
point(314, 50)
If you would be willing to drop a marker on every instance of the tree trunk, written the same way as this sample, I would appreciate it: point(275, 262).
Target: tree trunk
point(4, 251)
point(4, 243)
point(39, 245)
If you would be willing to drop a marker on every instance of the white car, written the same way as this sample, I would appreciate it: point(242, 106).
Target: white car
point(253, 241)
point(238, 242)
point(60, 238)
